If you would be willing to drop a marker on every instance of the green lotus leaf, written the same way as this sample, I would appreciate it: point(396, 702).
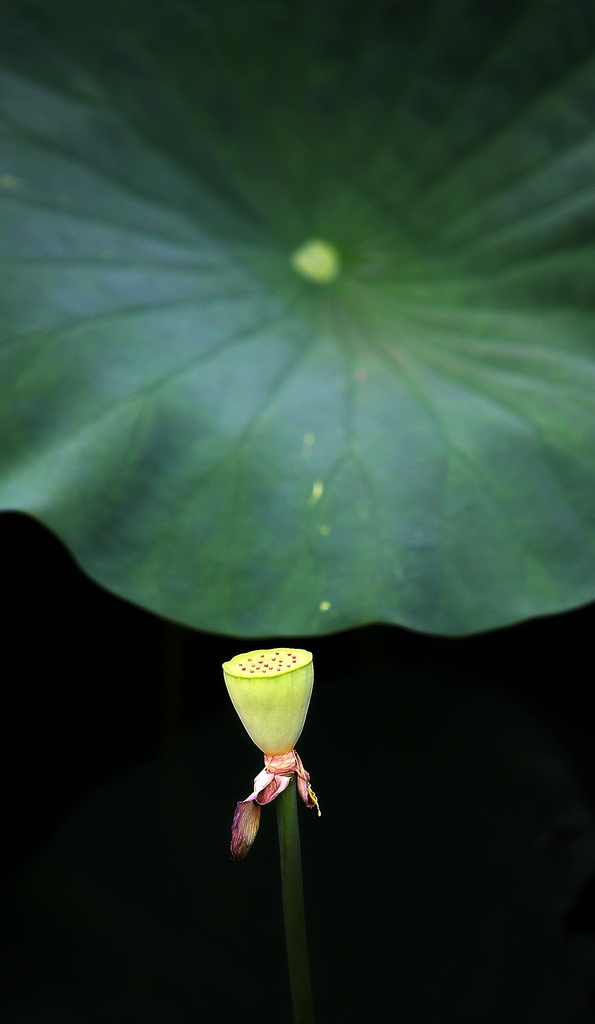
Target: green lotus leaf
point(296, 305)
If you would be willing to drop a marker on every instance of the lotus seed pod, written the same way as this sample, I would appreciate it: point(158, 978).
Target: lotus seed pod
point(271, 691)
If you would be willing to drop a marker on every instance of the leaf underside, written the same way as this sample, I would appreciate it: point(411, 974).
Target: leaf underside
point(233, 446)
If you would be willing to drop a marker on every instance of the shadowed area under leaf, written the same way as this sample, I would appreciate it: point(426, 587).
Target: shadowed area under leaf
point(452, 844)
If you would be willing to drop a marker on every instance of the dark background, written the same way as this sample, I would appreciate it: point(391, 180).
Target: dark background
point(93, 684)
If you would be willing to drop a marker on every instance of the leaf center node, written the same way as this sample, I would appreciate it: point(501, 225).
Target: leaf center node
point(317, 261)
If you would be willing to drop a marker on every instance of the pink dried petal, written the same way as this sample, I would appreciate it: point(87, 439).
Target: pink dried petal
point(261, 782)
point(268, 784)
point(244, 827)
point(302, 785)
point(304, 788)
point(282, 764)
point(274, 788)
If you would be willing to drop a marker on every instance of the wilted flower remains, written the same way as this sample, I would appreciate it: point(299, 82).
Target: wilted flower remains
point(270, 691)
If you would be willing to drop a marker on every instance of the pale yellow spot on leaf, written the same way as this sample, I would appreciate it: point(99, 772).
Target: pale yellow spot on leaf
point(324, 529)
point(324, 606)
point(8, 181)
point(317, 489)
point(307, 446)
point(316, 260)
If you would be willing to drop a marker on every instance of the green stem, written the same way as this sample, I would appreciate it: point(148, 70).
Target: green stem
point(293, 905)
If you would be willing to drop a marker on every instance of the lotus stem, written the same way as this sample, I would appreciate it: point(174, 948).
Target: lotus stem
point(293, 906)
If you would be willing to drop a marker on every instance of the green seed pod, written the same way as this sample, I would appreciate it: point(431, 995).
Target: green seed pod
point(271, 691)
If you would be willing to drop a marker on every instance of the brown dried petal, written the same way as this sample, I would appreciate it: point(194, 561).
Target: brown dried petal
point(246, 821)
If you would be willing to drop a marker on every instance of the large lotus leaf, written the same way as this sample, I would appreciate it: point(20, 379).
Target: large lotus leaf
point(452, 841)
point(242, 448)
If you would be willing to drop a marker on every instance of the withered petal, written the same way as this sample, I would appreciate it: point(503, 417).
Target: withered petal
point(274, 788)
point(282, 764)
point(246, 821)
point(261, 782)
point(302, 785)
